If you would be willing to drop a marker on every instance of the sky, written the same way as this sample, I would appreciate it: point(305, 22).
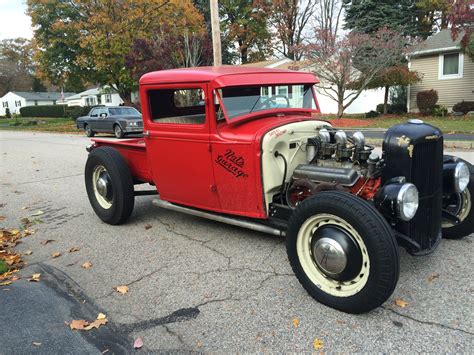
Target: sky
point(13, 20)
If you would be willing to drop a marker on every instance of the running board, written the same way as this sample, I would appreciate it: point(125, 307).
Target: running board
point(235, 221)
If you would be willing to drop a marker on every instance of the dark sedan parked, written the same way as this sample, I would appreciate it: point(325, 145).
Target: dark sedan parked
point(119, 120)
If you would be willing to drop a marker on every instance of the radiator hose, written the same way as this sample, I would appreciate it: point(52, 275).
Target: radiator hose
point(282, 189)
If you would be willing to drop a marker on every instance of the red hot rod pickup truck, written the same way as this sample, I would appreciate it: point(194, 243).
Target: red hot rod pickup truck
point(243, 146)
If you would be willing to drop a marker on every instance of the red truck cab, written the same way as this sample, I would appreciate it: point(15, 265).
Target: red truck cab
point(245, 146)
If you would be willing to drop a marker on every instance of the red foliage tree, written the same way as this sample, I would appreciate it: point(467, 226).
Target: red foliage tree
point(462, 24)
point(347, 65)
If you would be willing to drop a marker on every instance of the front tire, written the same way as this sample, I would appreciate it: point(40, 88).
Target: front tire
point(343, 251)
point(109, 185)
point(461, 205)
point(118, 132)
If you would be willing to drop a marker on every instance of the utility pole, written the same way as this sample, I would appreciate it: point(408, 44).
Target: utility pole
point(216, 33)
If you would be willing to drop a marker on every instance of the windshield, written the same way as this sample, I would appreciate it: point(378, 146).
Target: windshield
point(124, 111)
point(240, 101)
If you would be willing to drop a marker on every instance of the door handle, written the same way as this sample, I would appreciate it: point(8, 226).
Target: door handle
point(146, 134)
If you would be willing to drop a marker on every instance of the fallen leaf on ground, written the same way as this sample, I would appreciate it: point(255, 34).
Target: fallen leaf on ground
point(25, 207)
point(96, 324)
point(296, 322)
point(14, 231)
point(78, 324)
point(318, 344)
point(37, 213)
point(401, 303)
point(27, 232)
point(35, 277)
point(46, 241)
point(200, 344)
point(87, 265)
point(28, 252)
point(35, 343)
point(56, 255)
point(121, 289)
point(138, 343)
point(2, 218)
point(148, 226)
point(73, 249)
point(433, 277)
point(5, 283)
point(2, 205)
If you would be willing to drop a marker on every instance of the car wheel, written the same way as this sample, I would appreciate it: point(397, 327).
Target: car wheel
point(460, 205)
point(118, 131)
point(343, 251)
point(109, 185)
point(89, 131)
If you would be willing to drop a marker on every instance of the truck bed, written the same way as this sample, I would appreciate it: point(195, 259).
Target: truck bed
point(134, 152)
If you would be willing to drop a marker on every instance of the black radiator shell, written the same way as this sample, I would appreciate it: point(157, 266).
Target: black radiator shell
point(415, 151)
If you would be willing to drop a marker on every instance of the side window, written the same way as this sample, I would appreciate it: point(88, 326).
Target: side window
point(177, 106)
point(95, 112)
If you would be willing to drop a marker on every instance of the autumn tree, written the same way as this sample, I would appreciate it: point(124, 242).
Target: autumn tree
point(353, 58)
point(104, 32)
point(57, 46)
point(16, 66)
point(288, 21)
point(462, 20)
point(397, 75)
point(244, 25)
point(166, 51)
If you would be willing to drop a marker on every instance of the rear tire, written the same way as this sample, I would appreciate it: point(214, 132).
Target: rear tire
point(109, 185)
point(118, 132)
point(371, 271)
point(89, 131)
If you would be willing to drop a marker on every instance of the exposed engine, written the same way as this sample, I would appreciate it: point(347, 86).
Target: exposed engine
point(336, 162)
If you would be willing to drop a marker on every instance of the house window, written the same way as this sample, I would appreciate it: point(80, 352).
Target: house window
point(54, 102)
point(90, 101)
point(5, 104)
point(36, 103)
point(18, 103)
point(108, 98)
point(450, 66)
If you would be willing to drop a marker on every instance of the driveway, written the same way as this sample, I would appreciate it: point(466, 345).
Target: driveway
point(194, 285)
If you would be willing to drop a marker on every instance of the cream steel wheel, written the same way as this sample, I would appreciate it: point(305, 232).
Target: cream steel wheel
point(315, 262)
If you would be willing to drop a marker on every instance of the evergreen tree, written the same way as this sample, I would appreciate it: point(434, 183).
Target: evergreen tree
point(403, 16)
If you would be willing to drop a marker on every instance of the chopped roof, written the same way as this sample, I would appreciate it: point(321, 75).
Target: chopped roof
point(42, 96)
point(438, 42)
point(217, 74)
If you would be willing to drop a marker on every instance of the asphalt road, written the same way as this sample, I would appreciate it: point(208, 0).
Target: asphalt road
point(194, 285)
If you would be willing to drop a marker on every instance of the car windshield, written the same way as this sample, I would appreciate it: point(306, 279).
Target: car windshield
point(124, 111)
point(240, 101)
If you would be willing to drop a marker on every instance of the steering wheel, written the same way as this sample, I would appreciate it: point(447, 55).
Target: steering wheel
point(273, 99)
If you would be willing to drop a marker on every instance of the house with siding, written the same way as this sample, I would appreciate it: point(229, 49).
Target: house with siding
point(14, 100)
point(444, 68)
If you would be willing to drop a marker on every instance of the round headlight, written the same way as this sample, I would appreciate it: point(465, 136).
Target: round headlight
point(407, 201)
point(461, 177)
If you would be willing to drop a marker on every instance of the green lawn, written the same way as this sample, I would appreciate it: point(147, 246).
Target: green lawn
point(64, 125)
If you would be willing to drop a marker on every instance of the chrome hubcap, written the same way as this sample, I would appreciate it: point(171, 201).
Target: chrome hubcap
point(102, 186)
point(329, 256)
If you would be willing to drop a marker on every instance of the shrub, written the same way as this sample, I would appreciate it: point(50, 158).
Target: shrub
point(7, 113)
point(43, 111)
point(77, 111)
point(464, 106)
point(440, 111)
point(426, 101)
point(394, 109)
point(372, 114)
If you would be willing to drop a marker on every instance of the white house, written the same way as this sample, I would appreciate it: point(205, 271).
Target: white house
point(367, 100)
point(93, 97)
point(14, 100)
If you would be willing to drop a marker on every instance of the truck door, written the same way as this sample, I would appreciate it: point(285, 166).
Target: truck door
point(177, 141)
